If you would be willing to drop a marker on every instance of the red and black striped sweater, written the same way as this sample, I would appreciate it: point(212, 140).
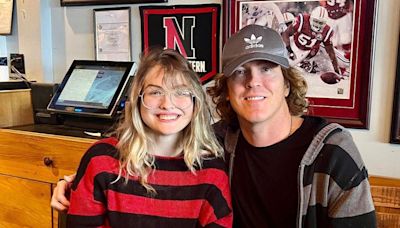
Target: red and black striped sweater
point(183, 199)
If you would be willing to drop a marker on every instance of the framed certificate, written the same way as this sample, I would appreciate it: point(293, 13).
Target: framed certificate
point(6, 12)
point(113, 34)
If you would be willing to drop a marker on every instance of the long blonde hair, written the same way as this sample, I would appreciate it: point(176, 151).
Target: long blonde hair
point(198, 139)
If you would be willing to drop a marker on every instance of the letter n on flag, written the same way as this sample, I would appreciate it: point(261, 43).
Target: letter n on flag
point(192, 30)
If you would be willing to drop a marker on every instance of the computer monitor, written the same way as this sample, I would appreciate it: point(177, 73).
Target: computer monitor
point(91, 88)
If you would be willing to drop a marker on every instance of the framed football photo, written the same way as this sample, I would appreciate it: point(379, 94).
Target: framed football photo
point(328, 41)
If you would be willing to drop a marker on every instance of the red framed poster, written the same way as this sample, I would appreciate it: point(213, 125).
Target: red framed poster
point(341, 97)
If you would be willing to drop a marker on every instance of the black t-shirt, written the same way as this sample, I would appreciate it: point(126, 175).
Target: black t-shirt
point(264, 182)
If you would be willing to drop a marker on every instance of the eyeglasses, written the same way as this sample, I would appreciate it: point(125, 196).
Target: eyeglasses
point(153, 97)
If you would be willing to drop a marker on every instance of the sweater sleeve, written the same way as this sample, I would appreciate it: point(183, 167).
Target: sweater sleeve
point(350, 202)
point(87, 208)
point(217, 211)
point(354, 206)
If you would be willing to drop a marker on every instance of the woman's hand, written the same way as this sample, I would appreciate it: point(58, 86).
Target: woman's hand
point(59, 200)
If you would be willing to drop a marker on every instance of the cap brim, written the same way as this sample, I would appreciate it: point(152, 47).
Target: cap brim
point(230, 67)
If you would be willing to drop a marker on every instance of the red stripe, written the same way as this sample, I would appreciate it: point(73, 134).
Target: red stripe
point(109, 164)
point(173, 178)
point(213, 47)
point(133, 204)
point(174, 11)
point(225, 221)
point(111, 141)
point(83, 203)
point(145, 29)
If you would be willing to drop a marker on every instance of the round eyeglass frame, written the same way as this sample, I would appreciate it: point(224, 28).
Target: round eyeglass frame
point(193, 98)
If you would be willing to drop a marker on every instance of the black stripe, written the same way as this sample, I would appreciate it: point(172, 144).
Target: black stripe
point(180, 165)
point(213, 225)
point(209, 192)
point(338, 164)
point(161, 164)
point(95, 150)
point(317, 216)
point(78, 221)
point(147, 221)
point(365, 221)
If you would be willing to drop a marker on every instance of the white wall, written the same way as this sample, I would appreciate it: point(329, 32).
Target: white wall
point(381, 157)
point(74, 39)
point(66, 33)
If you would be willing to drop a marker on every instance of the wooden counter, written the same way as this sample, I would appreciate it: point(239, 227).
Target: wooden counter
point(26, 180)
point(30, 164)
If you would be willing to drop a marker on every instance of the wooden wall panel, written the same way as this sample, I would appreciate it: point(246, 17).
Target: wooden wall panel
point(386, 197)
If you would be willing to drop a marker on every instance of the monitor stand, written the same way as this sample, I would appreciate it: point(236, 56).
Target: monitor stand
point(85, 127)
point(91, 124)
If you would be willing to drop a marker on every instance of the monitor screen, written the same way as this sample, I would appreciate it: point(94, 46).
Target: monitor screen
point(91, 88)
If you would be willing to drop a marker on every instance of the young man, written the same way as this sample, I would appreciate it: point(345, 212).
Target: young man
point(286, 170)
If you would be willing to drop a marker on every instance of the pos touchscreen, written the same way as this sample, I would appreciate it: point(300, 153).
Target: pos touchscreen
point(91, 88)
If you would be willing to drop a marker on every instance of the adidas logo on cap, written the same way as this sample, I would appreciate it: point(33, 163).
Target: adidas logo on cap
point(253, 42)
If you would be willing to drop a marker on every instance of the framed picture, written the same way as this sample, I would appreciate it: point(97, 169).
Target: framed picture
point(105, 2)
point(329, 42)
point(6, 9)
point(395, 129)
point(192, 30)
point(113, 34)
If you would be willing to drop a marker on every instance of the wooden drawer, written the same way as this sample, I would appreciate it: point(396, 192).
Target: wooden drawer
point(22, 154)
point(24, 203)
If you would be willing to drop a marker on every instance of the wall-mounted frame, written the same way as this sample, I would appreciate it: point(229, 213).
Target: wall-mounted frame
point(347, 100)
point(6, 15)
point(112, 33)
point(395, 129)
point(192, 30)
point(105, 2)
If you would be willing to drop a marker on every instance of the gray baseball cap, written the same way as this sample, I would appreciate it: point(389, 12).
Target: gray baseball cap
point(253, 42)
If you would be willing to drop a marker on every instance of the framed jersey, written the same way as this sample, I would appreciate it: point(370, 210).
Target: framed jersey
point(329, 41)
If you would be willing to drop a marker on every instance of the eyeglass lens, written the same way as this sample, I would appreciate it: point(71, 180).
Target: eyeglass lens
point(153, 98)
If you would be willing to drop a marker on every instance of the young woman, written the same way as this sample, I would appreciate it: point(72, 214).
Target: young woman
point(164, 168)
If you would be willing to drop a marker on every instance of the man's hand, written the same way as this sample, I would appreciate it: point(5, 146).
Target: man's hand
point(59, 200)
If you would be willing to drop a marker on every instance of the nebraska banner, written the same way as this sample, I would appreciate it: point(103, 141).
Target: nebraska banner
point(192, 30)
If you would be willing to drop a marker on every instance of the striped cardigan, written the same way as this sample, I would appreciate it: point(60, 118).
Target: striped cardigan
point(333, 186)
point(183, 199)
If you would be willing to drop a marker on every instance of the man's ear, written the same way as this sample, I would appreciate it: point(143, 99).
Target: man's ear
point(287, 89)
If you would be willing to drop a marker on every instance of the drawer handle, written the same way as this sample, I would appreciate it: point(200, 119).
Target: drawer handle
point(47, 161)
